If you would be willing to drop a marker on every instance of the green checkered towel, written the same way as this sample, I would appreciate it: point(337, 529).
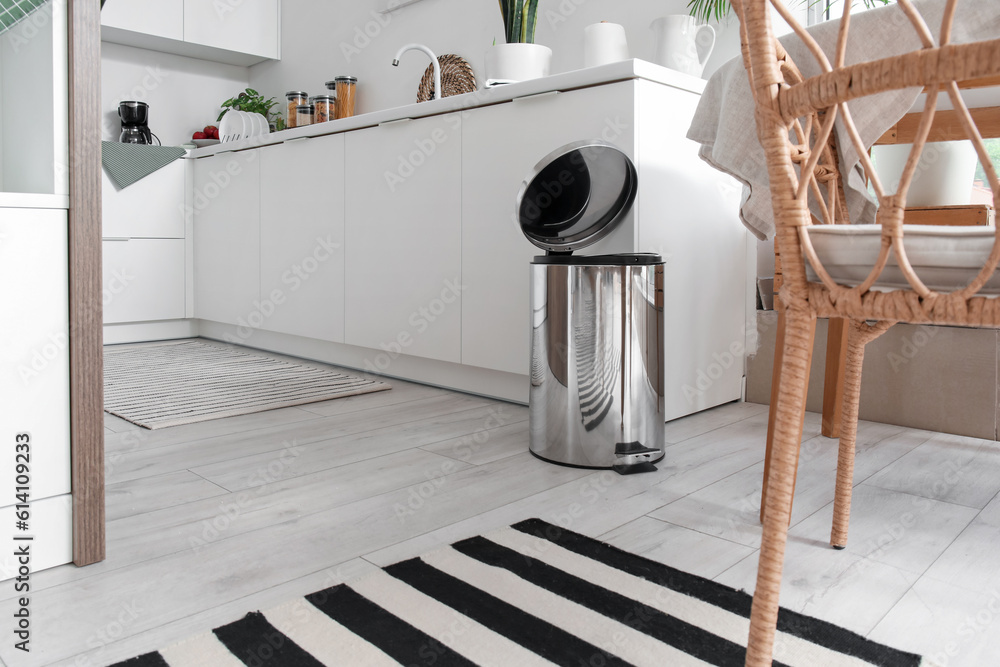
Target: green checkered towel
point(128, 163)
point(13, 12)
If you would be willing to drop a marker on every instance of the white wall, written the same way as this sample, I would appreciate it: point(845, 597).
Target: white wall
point(321, 40)
point(184, 94)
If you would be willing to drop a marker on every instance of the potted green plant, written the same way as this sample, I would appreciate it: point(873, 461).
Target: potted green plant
point(519, 58)
point(253, 102)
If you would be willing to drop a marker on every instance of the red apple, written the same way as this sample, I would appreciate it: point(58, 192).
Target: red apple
point(199, 135)
point(211, 132)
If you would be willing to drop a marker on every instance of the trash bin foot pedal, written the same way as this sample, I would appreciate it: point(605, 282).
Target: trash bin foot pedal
point(633, 448)
point(633, 468)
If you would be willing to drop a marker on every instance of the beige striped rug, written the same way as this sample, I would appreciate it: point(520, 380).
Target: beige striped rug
point(183, 382)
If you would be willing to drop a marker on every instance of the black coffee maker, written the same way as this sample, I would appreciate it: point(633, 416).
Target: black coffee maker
point(135, 129)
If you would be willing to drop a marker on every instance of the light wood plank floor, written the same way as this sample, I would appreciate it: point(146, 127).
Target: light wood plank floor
point(209, 521)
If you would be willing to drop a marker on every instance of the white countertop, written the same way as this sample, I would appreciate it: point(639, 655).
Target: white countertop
point(581, 78)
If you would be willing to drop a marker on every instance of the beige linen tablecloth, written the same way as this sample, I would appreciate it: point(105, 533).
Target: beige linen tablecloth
point(723, 123)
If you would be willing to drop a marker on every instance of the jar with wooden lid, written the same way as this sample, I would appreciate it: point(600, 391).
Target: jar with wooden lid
point(304, 115)
point(345, 87)
point(324, 107)
point(294, 99)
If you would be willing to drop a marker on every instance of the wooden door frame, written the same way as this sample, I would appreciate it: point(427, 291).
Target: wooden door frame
point(86, 372)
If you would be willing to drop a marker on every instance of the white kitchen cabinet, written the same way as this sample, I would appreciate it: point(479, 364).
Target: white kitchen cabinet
point(404, 238)
point(302, 237)
point(34, 348)
point(143, 280)
point(226, 204)
point(688, 214)
point(236, 32)
point(245, 26)
point(160, 18)
point(150, 208)
point(52, 529)
point(501, 144)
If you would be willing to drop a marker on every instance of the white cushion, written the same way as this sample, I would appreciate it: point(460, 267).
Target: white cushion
point(945, 258)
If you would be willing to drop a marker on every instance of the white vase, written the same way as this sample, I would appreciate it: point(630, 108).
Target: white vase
point(943, 177)
point(509, 63)
point(680, 43)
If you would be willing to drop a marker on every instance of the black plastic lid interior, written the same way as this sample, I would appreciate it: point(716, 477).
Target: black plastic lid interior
point(623, 259)
point(576, 196)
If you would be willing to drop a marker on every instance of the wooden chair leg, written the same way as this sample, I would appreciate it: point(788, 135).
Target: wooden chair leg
point(799, 330)
point(779, 349)
point(859, 335)
point(833, 380)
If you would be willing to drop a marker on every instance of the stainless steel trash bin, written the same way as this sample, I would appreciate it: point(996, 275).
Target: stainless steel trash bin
point(596, 395)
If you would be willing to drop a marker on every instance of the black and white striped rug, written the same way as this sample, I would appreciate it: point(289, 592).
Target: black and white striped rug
point(531, 594)
point(165, 384)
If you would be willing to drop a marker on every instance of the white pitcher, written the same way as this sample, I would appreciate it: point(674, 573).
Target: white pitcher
point(682, 44)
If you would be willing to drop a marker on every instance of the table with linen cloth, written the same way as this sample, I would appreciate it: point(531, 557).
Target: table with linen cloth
point(726, 108)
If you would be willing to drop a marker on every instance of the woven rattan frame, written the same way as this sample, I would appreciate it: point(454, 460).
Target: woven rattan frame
point(457, 78)
point(794, 119)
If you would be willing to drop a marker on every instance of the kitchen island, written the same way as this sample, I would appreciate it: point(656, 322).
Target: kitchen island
point(387, 242)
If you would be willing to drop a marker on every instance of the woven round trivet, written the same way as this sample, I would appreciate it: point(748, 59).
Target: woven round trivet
point(457, 77)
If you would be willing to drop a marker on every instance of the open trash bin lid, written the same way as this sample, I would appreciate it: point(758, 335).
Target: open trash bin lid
point(576, 196)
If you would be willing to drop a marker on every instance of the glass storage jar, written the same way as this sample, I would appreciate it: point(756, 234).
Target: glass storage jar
point(304, 115)
point(324, 107)
point(345, 87)
point(294, 99)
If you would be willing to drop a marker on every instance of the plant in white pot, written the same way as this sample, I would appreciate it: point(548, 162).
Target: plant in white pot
point(519, 59)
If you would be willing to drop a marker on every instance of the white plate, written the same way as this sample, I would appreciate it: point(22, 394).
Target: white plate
point(201, 143)
point(228, 127)
point(245, 125)
point(251, 124)
point(262, 126)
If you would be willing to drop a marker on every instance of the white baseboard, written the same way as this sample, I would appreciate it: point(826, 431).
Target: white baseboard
point(494, 384)
point(139, 332)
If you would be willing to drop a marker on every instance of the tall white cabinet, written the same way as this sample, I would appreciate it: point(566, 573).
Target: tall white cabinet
point(34, 337)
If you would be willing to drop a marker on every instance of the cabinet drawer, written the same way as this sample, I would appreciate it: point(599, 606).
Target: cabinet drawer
point(143, 280)
point(150, 208)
